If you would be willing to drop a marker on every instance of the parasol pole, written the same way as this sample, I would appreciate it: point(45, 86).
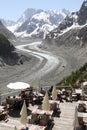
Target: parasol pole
point(82, 91)
point(0, 98)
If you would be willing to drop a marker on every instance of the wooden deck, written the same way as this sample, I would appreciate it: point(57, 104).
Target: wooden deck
point(64, 122)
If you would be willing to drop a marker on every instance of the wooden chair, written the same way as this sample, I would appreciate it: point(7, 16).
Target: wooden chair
point(3, 115)
point(80, 119)
point(44, 120)
point(34, 118)
point(53, 106)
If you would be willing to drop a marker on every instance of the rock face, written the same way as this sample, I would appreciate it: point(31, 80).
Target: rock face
point(8, 53)
point(82, 14)
point(73, 29)
point(37, 23)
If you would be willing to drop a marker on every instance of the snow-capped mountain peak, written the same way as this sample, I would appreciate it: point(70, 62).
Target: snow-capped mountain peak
point(37, 23)
point(42, 16)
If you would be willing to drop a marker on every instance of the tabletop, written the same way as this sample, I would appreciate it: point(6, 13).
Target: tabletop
point(34, 127)
point(40, 111)
point(54, 101)
point(82, 114)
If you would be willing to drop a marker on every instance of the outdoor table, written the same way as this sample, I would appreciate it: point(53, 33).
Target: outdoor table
point(74, 96)
point(38, 94)
point(82, 114)
point(34, 127)
point(82, 118)
point(54, 104)
point(54, 101)
point(2, 109)
point(37, 100)
point(3, 113)
point(45, 116)
point(18, 97)
point(82, 102)
point(40, 111)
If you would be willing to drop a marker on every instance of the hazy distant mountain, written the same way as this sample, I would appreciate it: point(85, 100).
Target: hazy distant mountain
point(37, 23)
point(72, 29)
point(7, 22)
point(6, 32)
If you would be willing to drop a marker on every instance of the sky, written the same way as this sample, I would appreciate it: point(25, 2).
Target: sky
point(13, 9)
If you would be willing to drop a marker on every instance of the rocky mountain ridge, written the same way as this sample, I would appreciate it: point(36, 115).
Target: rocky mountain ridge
point(76, 20)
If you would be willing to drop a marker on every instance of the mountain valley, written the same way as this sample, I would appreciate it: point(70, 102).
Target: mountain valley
point(67, 42)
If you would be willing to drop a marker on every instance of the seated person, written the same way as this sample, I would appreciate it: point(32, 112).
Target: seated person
point(80, 120)
point(34, 118)
point(42, 90)
point(50, 90)
point(59, 97)
point(81, 108)
point(22, 94)
point(78, 96)
point(44, 119)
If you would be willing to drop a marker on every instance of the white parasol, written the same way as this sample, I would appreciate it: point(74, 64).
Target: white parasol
point(23, 114)
point(18, 85)
point(76, 122)
point(54, 93)
point(84, 83)
point(45, 105)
